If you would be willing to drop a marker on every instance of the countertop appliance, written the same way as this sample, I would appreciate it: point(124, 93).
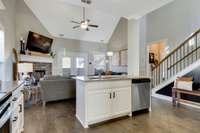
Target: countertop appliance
point(5, 112)
point(141, 94)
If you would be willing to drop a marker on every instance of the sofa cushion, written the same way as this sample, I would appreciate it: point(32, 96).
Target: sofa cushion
point(56, 77)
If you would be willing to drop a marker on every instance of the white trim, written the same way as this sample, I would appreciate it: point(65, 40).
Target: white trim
point(169, 99)
point(82, 123)
point(30, 58)
point(180, 74)
point(166, 98)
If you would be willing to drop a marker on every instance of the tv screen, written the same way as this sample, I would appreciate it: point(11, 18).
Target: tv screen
point(39, 43)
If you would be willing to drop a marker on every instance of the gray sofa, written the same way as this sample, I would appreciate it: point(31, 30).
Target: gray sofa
point(55, 88)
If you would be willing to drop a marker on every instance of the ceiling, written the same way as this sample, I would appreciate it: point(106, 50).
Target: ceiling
point(56, 15)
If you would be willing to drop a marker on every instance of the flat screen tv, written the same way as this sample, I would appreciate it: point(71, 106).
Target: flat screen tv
point(39, 43)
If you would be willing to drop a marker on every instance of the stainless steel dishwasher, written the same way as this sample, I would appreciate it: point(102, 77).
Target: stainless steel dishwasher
point(141, 94)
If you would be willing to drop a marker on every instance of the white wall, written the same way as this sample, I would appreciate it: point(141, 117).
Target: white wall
point(172, 23)
point(2, 44)
point(119, 38)
point(26, 21)
point(143, 48)
point(175, 22)
point(7, 20)
point(133, 47)
point(119, 41)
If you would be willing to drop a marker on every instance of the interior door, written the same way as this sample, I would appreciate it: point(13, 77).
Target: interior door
point(99, 104)
point(121, 102)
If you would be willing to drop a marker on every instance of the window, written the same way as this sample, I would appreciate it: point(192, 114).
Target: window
point(80, 62)
point(1, 46)
point(66, 62)
point(99, 61)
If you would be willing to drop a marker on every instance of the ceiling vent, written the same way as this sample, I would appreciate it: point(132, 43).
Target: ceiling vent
point(86, 1)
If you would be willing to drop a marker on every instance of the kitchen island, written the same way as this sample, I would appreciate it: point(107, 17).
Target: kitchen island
point(102, 98)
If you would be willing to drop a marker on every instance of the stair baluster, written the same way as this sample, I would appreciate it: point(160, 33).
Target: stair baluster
point(180, 58)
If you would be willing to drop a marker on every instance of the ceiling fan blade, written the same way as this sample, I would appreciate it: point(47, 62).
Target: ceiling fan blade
point(76, 27)
point(75, 22)
point(94, 26)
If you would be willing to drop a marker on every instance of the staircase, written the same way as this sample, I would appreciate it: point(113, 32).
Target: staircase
point(179, 62)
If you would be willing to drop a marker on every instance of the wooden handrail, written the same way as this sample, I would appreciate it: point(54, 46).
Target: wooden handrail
point(176, 49)
point(189, 54)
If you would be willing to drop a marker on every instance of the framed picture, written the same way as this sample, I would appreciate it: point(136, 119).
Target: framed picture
point(151, 58)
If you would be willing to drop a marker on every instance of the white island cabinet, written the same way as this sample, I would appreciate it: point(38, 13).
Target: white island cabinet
point(98, 100)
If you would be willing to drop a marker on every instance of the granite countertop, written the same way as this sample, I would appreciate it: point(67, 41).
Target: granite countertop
point(107, 78)
point(9, 86)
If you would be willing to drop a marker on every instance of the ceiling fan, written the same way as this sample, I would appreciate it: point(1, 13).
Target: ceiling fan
point(84, 24)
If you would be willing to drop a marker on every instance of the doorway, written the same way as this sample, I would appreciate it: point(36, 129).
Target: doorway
point(156, 52)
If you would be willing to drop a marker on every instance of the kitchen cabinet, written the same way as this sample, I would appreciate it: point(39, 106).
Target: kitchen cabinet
point(98, 101)
point(120, 103)
point(99, 104)
point(17, 118)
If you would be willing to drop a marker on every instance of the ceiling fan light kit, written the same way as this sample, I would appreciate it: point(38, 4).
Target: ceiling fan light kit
point(84, 24)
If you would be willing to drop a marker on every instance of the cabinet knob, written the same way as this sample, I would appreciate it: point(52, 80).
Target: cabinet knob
point(15, 119)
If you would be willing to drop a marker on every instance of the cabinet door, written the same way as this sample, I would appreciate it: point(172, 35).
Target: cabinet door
point(21, 113)
point(121, 102)
point(15, 120)
point(99, 104)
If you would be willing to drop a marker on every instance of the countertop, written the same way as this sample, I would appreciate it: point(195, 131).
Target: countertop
point(108, 78)
point(9, 86)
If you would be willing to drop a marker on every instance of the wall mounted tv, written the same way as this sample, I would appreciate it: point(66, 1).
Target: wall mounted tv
point(39, 43)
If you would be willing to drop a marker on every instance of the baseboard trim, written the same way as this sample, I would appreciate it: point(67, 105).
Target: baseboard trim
point(82, 123)
point(169, 99)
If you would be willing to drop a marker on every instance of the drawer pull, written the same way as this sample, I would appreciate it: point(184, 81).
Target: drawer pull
point(15, 119)
point(114, 95)
point(14, 99)
point(20, 110)
point(110, 95)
